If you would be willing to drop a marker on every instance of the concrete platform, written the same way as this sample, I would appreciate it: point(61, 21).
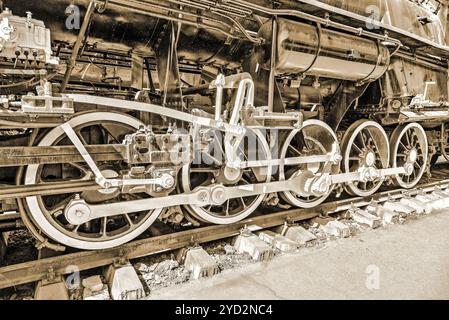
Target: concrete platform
point(409, 261)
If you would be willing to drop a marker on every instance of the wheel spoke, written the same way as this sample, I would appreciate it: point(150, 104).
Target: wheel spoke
point(418, 165)
point(243, 202)
point(104, 227)
point(357, 148)
point(407, 139)
point(108, 132)
point(295, 150)
point(128, 219)
point(60, 206)
point(402, 145)
point(215, 160)
point(76, 228)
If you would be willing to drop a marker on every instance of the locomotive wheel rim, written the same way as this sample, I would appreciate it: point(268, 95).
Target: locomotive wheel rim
point(51, 228)
point(411, 135)
point(367, 132)
point(444, 145)
point(204, 214)
point(291, 197)
point(3, 248)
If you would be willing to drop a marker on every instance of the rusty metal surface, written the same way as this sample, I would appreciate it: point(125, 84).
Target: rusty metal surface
point(16, 156)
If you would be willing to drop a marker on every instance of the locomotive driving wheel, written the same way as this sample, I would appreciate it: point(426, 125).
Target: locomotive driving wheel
point(365, 146)
point(48, 212)
point(209, 167)
point(409, 147)
point(315, 138)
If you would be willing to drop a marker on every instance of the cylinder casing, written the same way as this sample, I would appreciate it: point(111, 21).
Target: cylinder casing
point(314, 50)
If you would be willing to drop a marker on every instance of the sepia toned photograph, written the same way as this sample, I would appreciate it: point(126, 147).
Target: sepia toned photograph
point(224, 156)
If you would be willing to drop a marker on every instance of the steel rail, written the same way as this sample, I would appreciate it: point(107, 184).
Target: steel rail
point(84, 260)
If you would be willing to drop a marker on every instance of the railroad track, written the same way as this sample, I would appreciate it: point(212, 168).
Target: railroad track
point(51, 267)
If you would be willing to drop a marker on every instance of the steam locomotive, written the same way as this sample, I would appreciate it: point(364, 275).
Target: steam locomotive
point(117, 114)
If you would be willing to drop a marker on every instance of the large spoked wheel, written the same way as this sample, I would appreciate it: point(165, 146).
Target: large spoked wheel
point(409, 146)
point(209, 168)
point(47, 212)
point(365, 145)
point(315, 138)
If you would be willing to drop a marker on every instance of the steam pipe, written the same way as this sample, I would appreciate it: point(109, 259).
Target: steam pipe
point(79, 42)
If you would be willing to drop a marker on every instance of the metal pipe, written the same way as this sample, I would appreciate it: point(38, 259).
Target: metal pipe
point(241, 28)
point(219, 83)
point(309, 17)
point(11, 226)
point(272, 79)
point(229, 10)
point(245, 97)
point(23, 191)
point(140, 8)
point(227, 6)
point(79, 42)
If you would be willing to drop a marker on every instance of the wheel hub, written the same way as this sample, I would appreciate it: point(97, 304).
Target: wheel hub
point(229, 175)
point(109, 174)
point(370, 159)
point(77, 212)
point(101, 195)
point(413, 155)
